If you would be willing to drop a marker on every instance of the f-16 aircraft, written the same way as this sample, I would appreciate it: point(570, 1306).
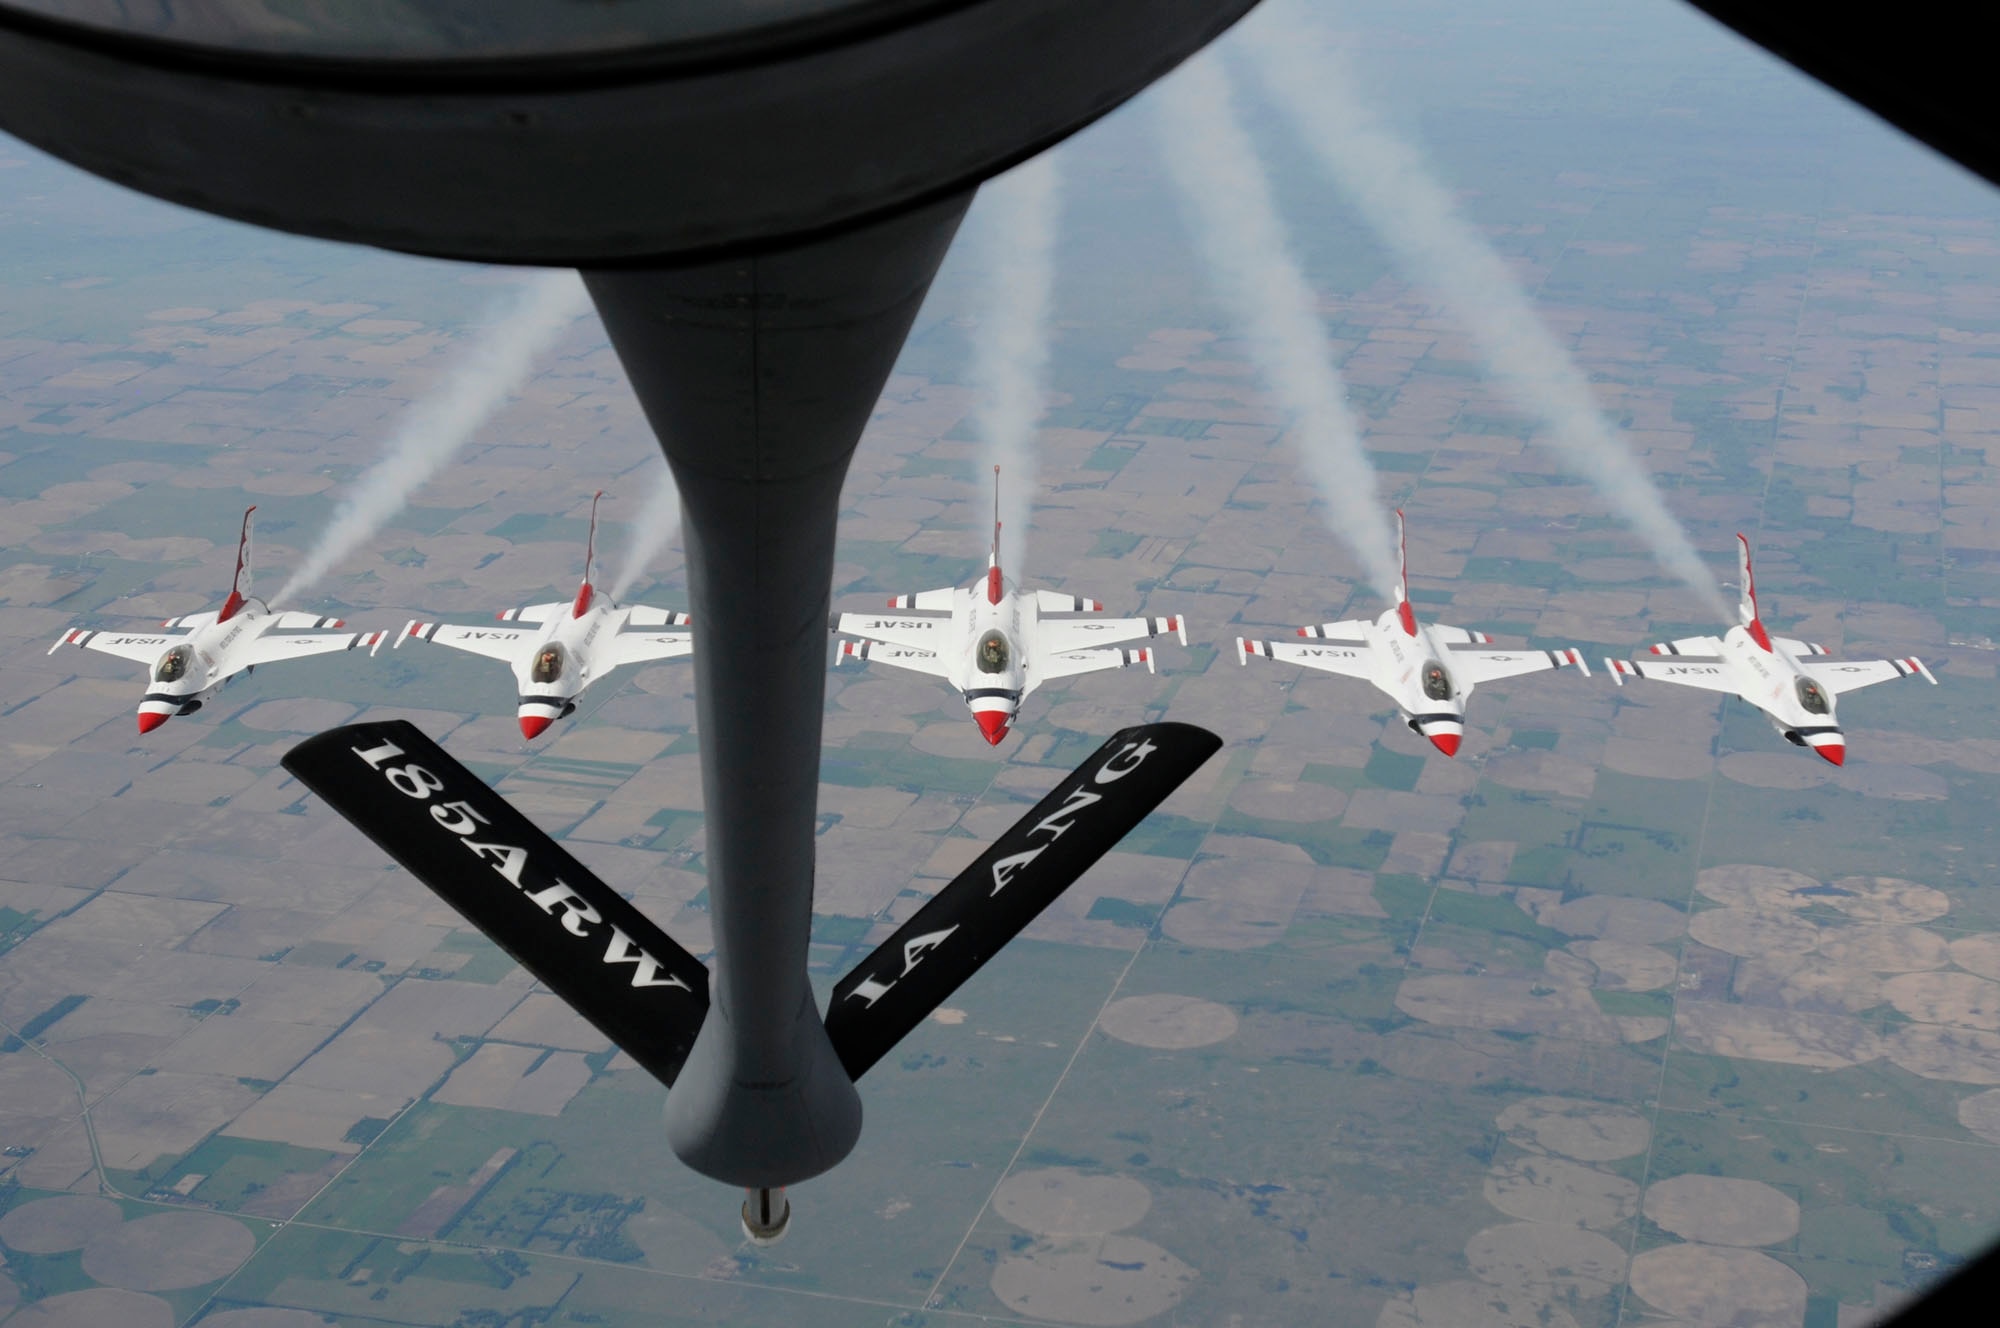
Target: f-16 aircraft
point(201, 651)
point(1766, 671)
point(993, 644)
point(568, 644)
point(1427, 669)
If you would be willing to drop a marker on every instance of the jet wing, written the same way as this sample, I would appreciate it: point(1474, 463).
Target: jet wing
point(1059, 636)
point(293, 621)
point(642, 615)
point(479, 854)
point(931, 600)
point(929, 634)
point(1476, 664)
point(1051, 601)
point(1791, 645)
point(638, 647)
point(903, 657)
point(274, 646)
point(502, 643)
point(1350, 659)
point(534, 613)
point(1701, 647)
point(142, 647)
point(1851, 675)
point(1708, 674)
point(1071, 663)
point(1350, 632)
point(1458, 636)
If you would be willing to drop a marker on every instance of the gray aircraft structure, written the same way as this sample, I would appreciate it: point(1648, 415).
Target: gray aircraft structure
point(758, 198)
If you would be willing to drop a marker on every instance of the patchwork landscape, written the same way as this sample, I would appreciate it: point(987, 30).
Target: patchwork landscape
point(1630, 1014)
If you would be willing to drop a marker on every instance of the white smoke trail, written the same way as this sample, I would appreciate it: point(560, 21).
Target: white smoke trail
point(1419, 221)
point(433, 429)
point(652, 530)
point(1011, 355)
point(1227, 198)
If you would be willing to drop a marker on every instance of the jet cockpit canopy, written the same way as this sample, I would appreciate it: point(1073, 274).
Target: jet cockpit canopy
point(1437, 683)
point(173, 665)
point(549, 663)
point(1813, 697)
point(992, 652)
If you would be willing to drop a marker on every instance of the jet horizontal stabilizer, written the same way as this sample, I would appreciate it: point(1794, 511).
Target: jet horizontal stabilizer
point(993, 900)
point(475, 851)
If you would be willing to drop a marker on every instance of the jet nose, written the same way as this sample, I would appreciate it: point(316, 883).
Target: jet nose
point(992, 723)
point(1835, 752)
point(1444, 742)
point(532, 726)
point(150, 720)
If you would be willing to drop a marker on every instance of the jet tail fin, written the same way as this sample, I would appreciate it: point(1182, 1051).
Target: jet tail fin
point(1746, 607)
point(993, 581)
point(479, 854)
point(239, 587)
point(584, 592)
point(966, 923)
point(1404, 611)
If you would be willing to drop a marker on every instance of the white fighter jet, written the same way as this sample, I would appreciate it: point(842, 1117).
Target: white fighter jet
point(1766, 671)
point(201, 651)
point(1427, 669)
point(568, 645)
point(995, 644)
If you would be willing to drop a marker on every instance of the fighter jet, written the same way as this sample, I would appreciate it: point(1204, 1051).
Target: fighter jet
point(568, 645)
point(211, 648)
point(1765, 671)
point(993, 643)
point(1427, 669)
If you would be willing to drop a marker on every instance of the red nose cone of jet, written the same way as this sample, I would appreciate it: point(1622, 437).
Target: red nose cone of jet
point(150, 720)
point(532, 725)
point(1834, 752)
point(1444, 742)
point(992, 723)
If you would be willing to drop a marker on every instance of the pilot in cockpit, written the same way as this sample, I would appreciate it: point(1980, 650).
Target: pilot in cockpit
point(173, 665)
point(992, 657)
point(548, 665)
point(1436, 686)
point(1811, 697)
